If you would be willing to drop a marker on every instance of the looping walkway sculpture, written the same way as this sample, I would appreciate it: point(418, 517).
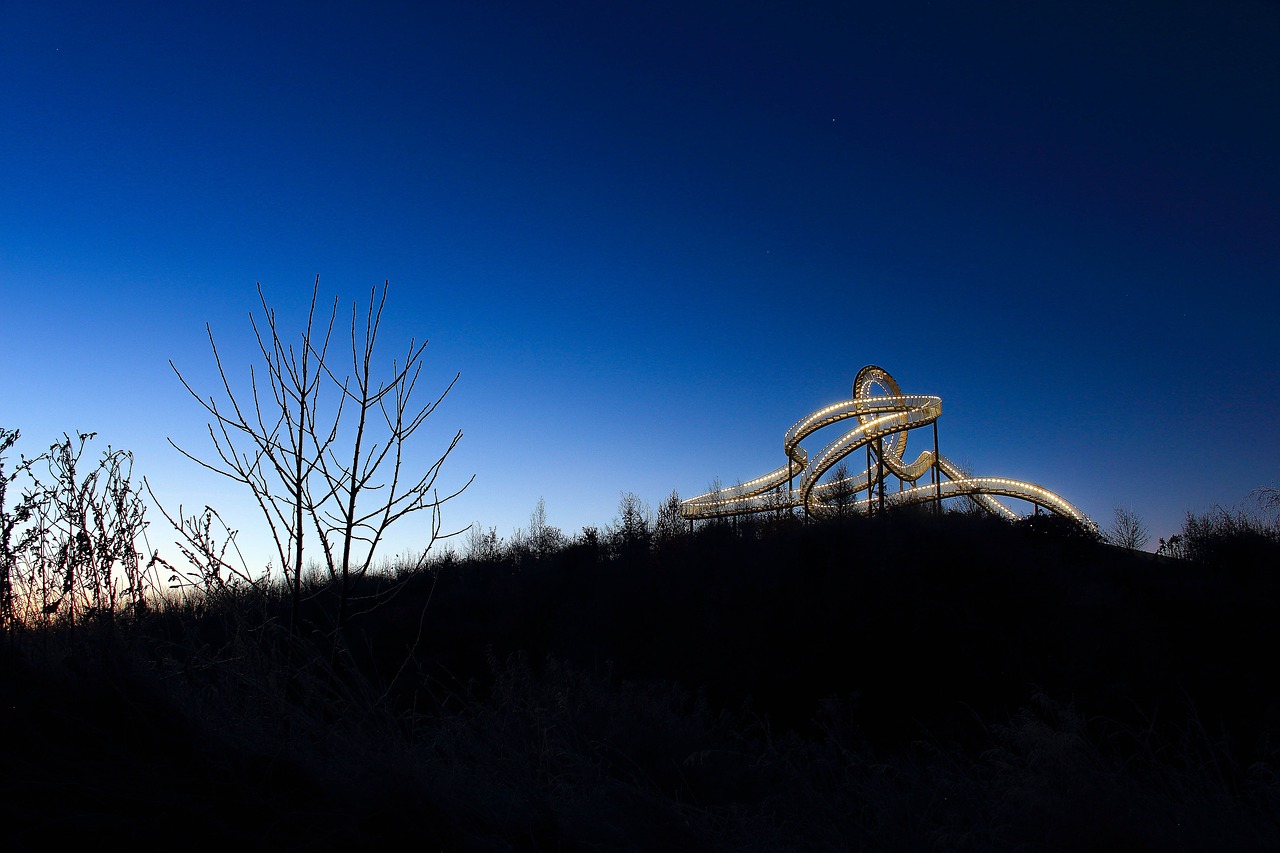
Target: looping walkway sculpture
point(883, 423)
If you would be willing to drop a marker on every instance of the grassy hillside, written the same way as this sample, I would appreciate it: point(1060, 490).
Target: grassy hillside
point(910, 682)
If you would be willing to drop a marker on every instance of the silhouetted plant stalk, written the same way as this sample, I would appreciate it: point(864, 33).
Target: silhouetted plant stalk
point(314, 466)
point(205, 542)
point(69, 547)
point(10, 519)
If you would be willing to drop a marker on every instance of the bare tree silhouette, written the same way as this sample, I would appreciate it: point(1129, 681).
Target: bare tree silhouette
point(339, 468)
point(669, 525)
point(843, 496)
point(544, 538)
point(633, 525)
point(1128, 530)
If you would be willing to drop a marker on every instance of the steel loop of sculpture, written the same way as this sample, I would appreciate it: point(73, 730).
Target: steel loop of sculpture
point(884, 420)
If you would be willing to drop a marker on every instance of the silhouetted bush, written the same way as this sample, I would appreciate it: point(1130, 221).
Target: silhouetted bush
point(1228, 540)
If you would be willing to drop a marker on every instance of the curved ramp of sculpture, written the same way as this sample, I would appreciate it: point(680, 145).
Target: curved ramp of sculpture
point(883, 422)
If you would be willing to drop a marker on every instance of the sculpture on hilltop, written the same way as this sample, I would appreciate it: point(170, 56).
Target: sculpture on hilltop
point(884, 418)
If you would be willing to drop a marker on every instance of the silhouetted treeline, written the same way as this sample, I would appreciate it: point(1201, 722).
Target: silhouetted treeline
point(904, 682)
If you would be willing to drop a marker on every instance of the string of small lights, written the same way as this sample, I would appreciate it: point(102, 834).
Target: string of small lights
point(884, 420)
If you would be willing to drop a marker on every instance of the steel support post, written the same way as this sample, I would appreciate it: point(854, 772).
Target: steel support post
point(870, 484)
point(880, 470)
point(937, 473)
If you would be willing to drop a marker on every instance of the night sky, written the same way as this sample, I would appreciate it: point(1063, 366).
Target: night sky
point(651, 240)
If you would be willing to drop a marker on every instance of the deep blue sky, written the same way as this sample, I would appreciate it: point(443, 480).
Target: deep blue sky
point(650, 240)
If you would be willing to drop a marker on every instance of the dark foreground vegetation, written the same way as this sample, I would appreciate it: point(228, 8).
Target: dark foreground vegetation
point(910, 682)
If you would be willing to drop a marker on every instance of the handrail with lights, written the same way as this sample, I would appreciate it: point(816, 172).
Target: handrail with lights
point(883, 423)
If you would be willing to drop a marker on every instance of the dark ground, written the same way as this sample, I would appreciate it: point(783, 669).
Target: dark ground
point(906, 683)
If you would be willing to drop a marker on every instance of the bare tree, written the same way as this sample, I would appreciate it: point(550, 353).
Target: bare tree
point(716, 490)
point(775, 503)
point(483, 545)
point(1128, 530)
point(1268, 497)
point(634, 524)
point(670, 525)
point(1174, 546)
point(338, 469)
point(544, 538)
point(843, 495)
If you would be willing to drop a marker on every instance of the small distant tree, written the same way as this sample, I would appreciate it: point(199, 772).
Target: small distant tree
point(590, 541)
point(1127, 530)
point(633, 525)
point(775, 503)
point(483, 545)
point(321, 447)
point(716, 490)
point(1172, 547)
point(842, 495)
point(544, 539)
point(670, 525)
point(742, 521)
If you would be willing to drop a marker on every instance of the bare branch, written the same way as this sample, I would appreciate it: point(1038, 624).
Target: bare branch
point(343, 478)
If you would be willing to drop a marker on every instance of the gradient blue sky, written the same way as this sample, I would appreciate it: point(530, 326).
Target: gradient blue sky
point(651, 237)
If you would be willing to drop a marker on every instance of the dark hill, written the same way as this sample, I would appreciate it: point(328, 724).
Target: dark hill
point(910, 682)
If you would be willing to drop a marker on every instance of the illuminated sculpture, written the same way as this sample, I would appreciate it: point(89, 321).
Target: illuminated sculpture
point(883, 423)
